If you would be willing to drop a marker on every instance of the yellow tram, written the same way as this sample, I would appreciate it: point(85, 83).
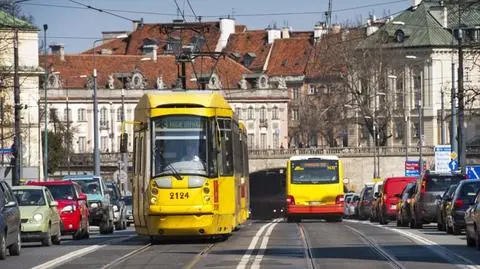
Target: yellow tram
point(190, 165)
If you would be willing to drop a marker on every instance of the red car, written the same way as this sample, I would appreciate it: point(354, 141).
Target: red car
point(72, 206)
point(389, 196)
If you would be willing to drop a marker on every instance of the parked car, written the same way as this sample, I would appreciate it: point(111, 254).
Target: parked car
point(10, 226)
point(72, 206)
point(128, 204)
point(119, 208)
point(39, 215)
point(403, 206)
point(442, 204)
point(387, 203)
point(98, 200)
point(430, 185)
point(463, 197)
point(366, 198)
point(374, 208)
point(472, 223)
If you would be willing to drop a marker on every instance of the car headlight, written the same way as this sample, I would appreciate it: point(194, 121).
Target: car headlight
point(93, 205)
point(38, 217)
point(115, 208)
point(69, 208)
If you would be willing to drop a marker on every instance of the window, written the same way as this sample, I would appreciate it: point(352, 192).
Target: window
point(250, 141)
point(399, 129)
point(295, 93)
point(226, 166)
point(119, 114)
point(129, 113)
point(275, 140)
point(263, 140)
point(417, 85)
point(312, 90)
point(82, 144)
point(250, 113)
point(416, 126)
point(104, 117)
point(275, 113)
point(238, 112)
point(67, 115)
point(295, 114)
point(82, 114)
point(263, 113)
point(53, 114)
point(104, 143)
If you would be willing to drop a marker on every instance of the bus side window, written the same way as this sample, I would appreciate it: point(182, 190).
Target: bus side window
point(226, 168)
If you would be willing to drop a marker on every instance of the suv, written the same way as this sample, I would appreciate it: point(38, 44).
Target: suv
point(463, 197)
point(10, 225)
point(387, 204)
point(430, 186)
point(71, 206)
point(98, 200)
point(366, 198)
point(119, 208)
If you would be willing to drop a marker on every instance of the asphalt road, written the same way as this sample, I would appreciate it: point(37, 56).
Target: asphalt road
point(263, 244)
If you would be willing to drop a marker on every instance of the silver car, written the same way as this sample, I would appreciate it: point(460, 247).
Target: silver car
point(128, 204)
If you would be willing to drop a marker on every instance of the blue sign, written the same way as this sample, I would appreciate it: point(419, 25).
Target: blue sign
point(411, 169)
point(453, 165)
point(7, 150)
point(473, 172)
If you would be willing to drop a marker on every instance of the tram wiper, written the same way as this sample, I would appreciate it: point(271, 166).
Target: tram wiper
point(175, 172)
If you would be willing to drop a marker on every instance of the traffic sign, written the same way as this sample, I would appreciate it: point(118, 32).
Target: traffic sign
point(453, 165)
point(453, 155)
point(473, 171)
point(442, 158)
point(411, 169)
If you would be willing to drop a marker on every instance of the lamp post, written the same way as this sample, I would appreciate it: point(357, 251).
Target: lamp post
point(376, 157)
point(96, 149)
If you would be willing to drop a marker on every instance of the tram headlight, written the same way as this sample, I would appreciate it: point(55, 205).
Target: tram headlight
point(206, 190)
point(153, 200)
point(154, 191)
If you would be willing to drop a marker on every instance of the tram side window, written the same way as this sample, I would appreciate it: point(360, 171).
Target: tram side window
point(240, 155)
point(226, 168)
point(236, 149)
point(245, 156)
point(135, 149)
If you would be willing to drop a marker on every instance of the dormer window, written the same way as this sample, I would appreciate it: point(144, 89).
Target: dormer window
point(198, 42)
point(248, 58)
point(173, 44)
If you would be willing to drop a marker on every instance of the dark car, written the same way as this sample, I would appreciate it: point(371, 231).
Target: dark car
point(430, 185)
point(462, 199)
point(128, 204)
point(442, 204)
point(365, 203)
point(118, 204)
point(403, 206)
point(387, 202)
point(9, 222)
point(472, 223)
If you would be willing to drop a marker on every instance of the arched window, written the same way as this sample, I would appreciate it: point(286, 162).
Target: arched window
point(119, 114)
point(250, 113)
point(263, 113)
point(275, 113)
point(103, 116)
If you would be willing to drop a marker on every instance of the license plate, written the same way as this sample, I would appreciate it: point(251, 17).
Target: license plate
point(315, 203)
point(393, 207)
point(179, 195)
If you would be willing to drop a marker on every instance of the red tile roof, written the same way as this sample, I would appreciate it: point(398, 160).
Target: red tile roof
point(249, 42)
point(289, 57)
point(74, 66)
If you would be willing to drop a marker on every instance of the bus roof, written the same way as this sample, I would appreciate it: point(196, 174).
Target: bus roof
point(306, 157)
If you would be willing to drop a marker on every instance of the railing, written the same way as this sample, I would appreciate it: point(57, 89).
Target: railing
point(112, 159)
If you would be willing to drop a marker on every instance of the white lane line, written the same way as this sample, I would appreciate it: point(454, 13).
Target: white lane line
point(390, 259)
point(450, 256)
point(126, 256)
point(263, 247)
point(246, 257)
point(77, 254)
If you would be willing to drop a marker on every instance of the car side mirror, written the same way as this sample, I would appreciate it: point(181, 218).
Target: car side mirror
point(398, 195)
point(10, 204)
point(448, 199)
point(53, 203)
point(82, 196)
point(375, 195)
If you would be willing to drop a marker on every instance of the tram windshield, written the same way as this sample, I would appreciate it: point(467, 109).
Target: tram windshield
point(183, 145)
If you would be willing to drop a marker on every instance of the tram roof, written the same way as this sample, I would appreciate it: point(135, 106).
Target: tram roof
point(306, 157)
point(191, 97)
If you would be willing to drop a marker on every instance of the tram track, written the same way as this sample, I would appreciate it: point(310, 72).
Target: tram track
point(200, 256)
point(306, 244)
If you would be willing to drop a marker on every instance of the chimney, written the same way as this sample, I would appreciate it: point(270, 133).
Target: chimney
point(59, 50)
point(319, 30)
point(440, 14)
point(371, 25)
point(415, 3)
point(336, 28)
point(227, 27)
point(137, 24)
point(285, 32)
point(273, 33)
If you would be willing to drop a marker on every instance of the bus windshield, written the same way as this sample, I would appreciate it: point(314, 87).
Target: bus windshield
point(183, 144)
point(314, 171)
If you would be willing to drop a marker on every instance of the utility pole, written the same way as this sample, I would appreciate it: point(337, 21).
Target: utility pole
point(17, 152)
point(442, 119)
point(124, 148)
point(68, 137)
point(461, 105)
point(453, 123)
point(45, 105)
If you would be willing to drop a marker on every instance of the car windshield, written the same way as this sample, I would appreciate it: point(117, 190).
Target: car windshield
point(89, 186)
point(62, 192)
point(436, 183)
point(183, 144)
point(29, 197)
point(450, 191)
point(128, 200)
point(314, 171)
point(368, 194)
point(111, 190)
point(469, 190)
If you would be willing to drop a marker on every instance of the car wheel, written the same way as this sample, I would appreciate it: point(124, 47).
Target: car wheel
point(104, 227)
point(3, 247)
point(47, 239)
point(78, 234)
point(56, 239)
point(111, 228)
point(17, 246)
point(477, 239)
point(470, 240)
point(455, 229)
point(118, 225)
point(124, 225)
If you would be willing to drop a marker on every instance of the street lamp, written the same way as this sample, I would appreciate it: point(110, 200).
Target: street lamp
point(96, 149)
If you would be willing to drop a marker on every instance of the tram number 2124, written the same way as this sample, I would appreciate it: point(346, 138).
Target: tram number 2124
point(178, 195)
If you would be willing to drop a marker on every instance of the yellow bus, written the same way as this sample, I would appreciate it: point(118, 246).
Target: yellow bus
point(314, 188)
point(190, 166)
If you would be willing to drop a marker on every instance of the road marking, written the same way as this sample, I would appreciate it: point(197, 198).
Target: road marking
point(246, 257)
point(126, 256)
point(390, 259)
point(77, 254)
point(199, 256)
point(450, 256)
point(263, 247)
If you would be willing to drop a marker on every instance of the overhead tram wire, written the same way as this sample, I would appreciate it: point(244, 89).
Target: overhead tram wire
point(102, 11)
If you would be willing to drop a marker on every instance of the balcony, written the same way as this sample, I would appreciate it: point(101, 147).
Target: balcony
point(263, 123)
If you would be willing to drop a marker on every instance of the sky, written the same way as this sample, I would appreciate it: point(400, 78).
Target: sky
point(71, 23)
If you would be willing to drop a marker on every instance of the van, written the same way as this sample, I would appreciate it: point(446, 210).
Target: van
point(390, 194)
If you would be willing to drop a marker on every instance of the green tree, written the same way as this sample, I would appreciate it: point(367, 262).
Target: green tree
point(58, 140)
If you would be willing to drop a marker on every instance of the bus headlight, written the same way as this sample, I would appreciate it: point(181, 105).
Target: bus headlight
point(154, 191)
point(153, 200)
point(206, 190)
